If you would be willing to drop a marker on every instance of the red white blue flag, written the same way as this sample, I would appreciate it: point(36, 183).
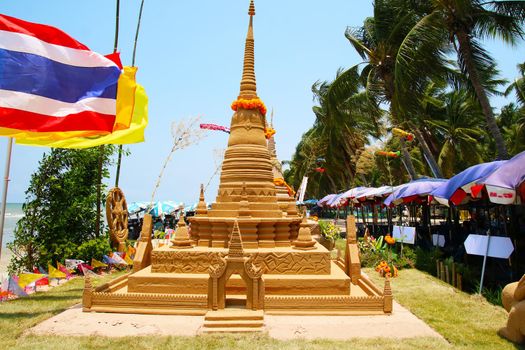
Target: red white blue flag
point(49, 82)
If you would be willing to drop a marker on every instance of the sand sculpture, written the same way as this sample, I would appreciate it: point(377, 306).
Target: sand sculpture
point(250, 250)
point(513, 298)
point(117, 217)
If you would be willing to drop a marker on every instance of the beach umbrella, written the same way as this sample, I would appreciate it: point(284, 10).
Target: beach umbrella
point(336, 201)
point(505, 185)
point(325, 199)
point(191, 207)
point(457, 189)
point(163, 208)
point(351, 193)
point(136, 207)
point(413, 190)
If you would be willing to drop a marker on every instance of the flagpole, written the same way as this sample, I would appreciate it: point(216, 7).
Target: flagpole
point(117, 177)
point(4, 191)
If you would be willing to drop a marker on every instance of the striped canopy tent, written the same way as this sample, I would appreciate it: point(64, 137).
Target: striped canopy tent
point(505, 185)
point(414, 191)
point(457, 190)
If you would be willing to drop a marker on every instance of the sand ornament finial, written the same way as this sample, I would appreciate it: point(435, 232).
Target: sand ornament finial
point(248, 82)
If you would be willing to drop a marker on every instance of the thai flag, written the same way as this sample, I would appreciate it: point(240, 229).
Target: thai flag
point(49, 82)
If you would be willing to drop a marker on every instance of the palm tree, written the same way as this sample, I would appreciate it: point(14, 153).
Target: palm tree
point(458, 124)
point(377, 42)
point(336, 136)
point(461, 25)
point(512, 121)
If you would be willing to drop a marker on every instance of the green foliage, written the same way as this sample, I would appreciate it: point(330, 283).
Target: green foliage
point(426, 259)
point(60, 209)
point(373, 251)
point(329, 230)
point(94, 248)
point(493, 296)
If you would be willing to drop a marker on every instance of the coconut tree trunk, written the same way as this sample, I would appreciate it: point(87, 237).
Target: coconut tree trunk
point(465, 48)
point(408, 161)
point(428, 154)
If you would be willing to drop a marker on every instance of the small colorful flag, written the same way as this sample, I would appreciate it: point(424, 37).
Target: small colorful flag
point(42, 282)
point(72, 264)
point(27, 278)
point(15, 289)
point(63, 269)
point(118, 259)
point(95, 263)
point(128, 260)
point(55, 273)
point(88, 272)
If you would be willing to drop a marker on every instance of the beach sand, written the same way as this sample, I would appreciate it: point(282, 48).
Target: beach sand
point(4, 261)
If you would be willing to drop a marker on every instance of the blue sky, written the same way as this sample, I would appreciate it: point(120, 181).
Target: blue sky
point(190, 62)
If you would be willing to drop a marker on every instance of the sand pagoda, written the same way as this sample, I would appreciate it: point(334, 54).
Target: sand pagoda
point(250, 250)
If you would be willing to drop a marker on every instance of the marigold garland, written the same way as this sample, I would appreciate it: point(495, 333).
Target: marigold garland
point(269, 132)
point(254, 103)
point(280, 182)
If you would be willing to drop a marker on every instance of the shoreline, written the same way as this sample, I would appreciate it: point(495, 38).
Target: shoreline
point(4, 260)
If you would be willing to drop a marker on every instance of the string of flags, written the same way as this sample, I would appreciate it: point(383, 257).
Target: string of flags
point(22, 285)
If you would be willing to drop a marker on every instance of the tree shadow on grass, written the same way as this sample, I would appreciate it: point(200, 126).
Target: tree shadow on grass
point(17, 315)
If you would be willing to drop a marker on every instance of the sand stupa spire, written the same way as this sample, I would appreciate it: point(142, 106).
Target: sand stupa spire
point(248, 83)
point(202, 208)
point(235, 248)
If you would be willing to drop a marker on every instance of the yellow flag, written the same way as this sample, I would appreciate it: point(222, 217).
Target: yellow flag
point(128, 260)
point(27, 278)
point(95, 263)
point(133, 102)
point(54, 272)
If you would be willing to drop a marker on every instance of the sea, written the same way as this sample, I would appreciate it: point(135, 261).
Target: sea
point(13, 213)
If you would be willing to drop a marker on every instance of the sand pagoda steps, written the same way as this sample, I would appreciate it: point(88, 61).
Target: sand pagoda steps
point(244, 251)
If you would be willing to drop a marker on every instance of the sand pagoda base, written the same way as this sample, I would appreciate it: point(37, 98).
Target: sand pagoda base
point(295, 282)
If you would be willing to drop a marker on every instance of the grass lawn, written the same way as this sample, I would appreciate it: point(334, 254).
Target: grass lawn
point(466, 322)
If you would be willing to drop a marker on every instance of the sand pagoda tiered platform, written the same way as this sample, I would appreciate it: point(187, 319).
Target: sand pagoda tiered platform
point(250, 250)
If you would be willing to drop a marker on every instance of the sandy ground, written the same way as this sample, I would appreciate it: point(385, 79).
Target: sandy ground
point(401, 324)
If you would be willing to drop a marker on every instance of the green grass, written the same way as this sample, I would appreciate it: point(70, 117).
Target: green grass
point(466, 322)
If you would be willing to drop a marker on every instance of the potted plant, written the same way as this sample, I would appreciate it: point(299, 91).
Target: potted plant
point(329, 233)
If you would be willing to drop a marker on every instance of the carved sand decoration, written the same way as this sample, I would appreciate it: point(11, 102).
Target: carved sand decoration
point(513, 298)
point(117, 217)
point(249, 250)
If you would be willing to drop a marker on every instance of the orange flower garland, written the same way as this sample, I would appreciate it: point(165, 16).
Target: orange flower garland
point(254, 103)
point(269, 132)
point(280, 182)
